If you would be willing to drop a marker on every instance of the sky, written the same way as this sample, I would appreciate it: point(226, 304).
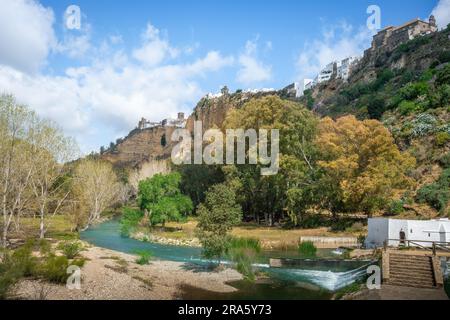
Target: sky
point(132, 59)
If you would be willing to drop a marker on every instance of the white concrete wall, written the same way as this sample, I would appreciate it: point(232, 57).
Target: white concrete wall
point(381, 229)
point(378, 232)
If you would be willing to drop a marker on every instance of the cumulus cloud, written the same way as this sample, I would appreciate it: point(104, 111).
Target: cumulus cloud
point(26, 35)
point(337, 43)
point(252, 70)
point(104, 99)
point(154, 48)
point(442, 13)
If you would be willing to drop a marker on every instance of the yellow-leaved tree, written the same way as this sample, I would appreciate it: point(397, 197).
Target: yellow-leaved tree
point(361, 158)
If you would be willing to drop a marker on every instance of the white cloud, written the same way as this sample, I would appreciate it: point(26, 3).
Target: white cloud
point(154, 48)
point(104, 99)
point(337, 43)
point(26, 34)
point(442, 13)
point(252, 70)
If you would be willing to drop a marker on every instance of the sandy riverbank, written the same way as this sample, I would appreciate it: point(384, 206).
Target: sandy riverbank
point(112, 275)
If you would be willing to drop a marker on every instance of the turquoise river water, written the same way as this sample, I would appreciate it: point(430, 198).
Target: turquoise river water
point(317, 282)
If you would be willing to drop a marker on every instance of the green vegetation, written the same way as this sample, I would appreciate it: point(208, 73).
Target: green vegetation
point(70, 249)
point(20, 263)
point(244, 252)
point(144, 257)
point(437, 194)
point(216, 217)
point(161, 200)
point(307, 249)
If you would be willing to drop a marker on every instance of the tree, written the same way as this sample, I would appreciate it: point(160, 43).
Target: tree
point(161, 199)
point(267, 196)
point(96, 188)
point(51, 149)
point(362, 162)
point(32, 153)
point(15, 166)
point(216, 217)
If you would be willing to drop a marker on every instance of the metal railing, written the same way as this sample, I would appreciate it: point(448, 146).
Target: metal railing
point(435, 245)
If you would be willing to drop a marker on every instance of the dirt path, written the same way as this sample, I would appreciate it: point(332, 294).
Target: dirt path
point(111, 275)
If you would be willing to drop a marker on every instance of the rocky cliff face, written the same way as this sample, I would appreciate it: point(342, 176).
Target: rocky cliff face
point(413, 57)
point(147, 152)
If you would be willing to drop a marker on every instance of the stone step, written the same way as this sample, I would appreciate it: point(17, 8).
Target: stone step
point(426, 275)
point(410, 268)
point(411, 263)
point(412, 276)
point(407, 257)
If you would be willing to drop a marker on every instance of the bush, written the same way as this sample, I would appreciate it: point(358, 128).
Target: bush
point(443, 76)
point(244, 252)
point(442, 138)
point(71, 249)
point(356, 227)
point(130, 220)
point(407, 107)
point(437, 195)
point(307, 249)
point(396, 207)
point(144, 257)
point(445, 161)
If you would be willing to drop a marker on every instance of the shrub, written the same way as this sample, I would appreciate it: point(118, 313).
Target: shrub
point(396, 207)
point(443, 76)
point(413, 90)
point(437, 194)
point(445, 161)
point(356, 227)
point(244, 252)
point(442, 138)
point(144, 257)
point(130, 220)
point(54, 269)
point(71, 249)
point(407, 107)
point(307, 249)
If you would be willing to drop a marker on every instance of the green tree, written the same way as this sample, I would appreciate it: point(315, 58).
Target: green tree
point(161, 199)
point(265, 196)
point(216, 217)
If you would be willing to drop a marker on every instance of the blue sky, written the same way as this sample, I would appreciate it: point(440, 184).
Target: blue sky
point(154, 58)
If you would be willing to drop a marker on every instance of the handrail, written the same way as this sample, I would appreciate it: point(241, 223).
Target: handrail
point(442, 245)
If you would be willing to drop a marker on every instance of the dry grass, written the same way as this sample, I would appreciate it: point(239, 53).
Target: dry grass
point(58, 227)
point(270, 237)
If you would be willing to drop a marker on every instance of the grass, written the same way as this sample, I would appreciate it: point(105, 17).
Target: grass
point(144, 257)
point(307, 249)
point(58, 227)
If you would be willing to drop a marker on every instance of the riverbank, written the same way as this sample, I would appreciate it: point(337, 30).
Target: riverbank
point(112, 275)
point(271, 238)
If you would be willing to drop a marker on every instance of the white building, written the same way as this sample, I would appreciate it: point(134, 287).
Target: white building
point(422, 232)
point(326, 73)
point(300, 87)
point(345, 66)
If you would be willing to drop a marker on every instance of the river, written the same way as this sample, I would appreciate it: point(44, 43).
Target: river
point(311, 283)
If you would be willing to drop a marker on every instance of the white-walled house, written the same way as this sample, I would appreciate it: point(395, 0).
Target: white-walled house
point(423, 232)
point(300, 87)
